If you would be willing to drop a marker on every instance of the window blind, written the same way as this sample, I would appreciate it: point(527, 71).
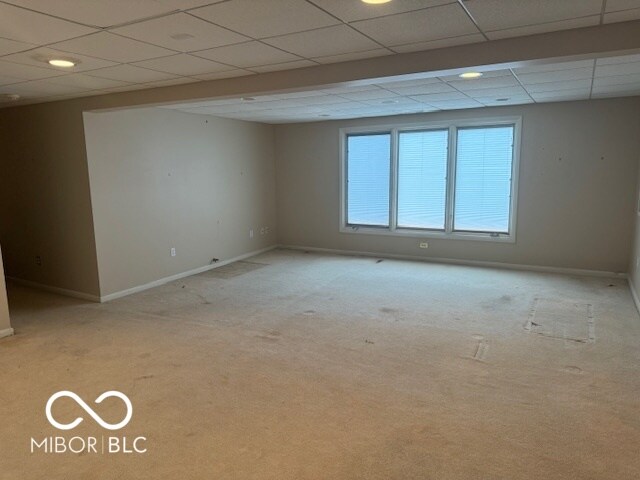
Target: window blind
point(422, 179)
point(368, 179)
point(483, 179)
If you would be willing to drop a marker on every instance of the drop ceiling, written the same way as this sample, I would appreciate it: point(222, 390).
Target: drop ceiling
point(123, 45)
point(549, 82)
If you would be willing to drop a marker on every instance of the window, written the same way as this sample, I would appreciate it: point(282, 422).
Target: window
point(457, 181)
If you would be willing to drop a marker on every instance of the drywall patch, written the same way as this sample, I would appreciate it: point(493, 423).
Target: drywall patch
point(234, 269)
point(562, 319)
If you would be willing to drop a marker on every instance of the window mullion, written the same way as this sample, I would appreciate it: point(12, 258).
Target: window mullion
point(451, 174)
point(393, 196)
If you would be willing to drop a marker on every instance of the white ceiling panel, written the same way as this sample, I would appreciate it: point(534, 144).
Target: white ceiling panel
point(442, 43)
point(504, 100)
point(236, 72)
point(456, 104)
point(633, 79)
point(420, 89)
point(485, 82)
point(183, 64)
point(344, 57)
point(423, 25)
point(112, 47)
point(497, 92)
point(440, 97)
point(249, 54)
point(324, 42)
point(570, 94)
point(544, 27)
point(35, 28)
point(44, 87)
point(556, 76)
point(351, 11)
point(501, 14)
point(558, 86)
point(617, 69)
point(627, 89)
point(378, 93)
point(131, 73)
point(7, 80)
point(180, 32)
point(617, 5)
point(622, 16)
point(283, 66)
point(618, 59)
point(11, 46)
point(100, 13)
point(86, 82)
point(26, 72)
point(39, 57)
point(550, 67)
point(260, 19)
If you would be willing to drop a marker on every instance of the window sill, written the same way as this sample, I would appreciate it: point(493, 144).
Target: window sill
point(409, 233)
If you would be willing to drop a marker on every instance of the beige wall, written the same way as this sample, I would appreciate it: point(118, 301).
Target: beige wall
point(5, 325)
point(578, 170)
point(162, 179)
point(45, 207)
point(634, 260)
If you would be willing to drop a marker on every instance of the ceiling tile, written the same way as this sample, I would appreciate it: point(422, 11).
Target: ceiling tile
point(44, 88)
point(617, 69)
point(485, 75)
point(85, 82)
point(556, 76)
point(183, 64)
point(249, 54)
point(505, 100)
point(351, 11)
point(618, 59)
point(497, 92)
point(400, 102)
point(550, 67)
point(180, 32)
point(485, 82)
point(500, 14)
point(369, 95)
point(266, 19)
point(440, 97)
point(622, 16)
point(633, 79)
point(423, 25)
point(98, 13)
point(7, 80)
point(226, 74)
point(11, 46)
point(622, 89)
point(406, 81)
point(324, 42)
point(345, 57)
point(39, 58)
point(544, 27)
point(130, 73)
point(557, 86)
point(456, 104)
point(187, 4)
point(112, 47)
point(26, 72)
point(443, 43)
point(569, 94)
point(421, 89)
point(284, 66)
point(617, 5)
point(31, 27)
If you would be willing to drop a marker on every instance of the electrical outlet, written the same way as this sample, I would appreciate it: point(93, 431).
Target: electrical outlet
point(424, 245)
point(251, 233)
point(173, 251)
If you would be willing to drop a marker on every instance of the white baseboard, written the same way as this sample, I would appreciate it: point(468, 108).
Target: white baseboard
point(7, 332)
point(634, 295)
point(59, 291)
point(178, 276)
point(472, 263)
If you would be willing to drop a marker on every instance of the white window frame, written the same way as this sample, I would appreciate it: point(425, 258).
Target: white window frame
point(448, 233)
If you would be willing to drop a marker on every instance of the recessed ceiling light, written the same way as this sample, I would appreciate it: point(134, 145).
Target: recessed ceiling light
point(58, 62)
point(469, 75)
point(376, 2)
point(386, 102)
point(324, 115)
point(247, 99)
point(9, 97)
point(502, 99)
